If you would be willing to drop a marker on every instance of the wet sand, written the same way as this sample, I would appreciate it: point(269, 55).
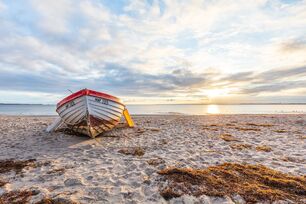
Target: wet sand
point(122, 165)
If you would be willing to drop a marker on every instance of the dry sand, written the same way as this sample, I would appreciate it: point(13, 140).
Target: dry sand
point(109, 169)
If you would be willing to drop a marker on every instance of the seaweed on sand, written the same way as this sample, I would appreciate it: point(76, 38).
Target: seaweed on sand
point(247, 129)
point(15, 197)
point(135, 151)
point(241, 146)
point(214, 125)
point(2, 182)
point(254, 183)
point(17, 166)
point(57, 171)
point(228, 138)
point(47, 200)
point(156, 161)
point(280, 131)
point(264, 148)
point(260, 125)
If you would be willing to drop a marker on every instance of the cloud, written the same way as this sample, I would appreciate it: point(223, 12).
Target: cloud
point(294, 45)
point(53, 16)
point(126, 82)
point(239, 77)
point(2, 6)
point(278, 74)
point(274, 87)
point(152, 48)
point(120, 79)
point(272, 81)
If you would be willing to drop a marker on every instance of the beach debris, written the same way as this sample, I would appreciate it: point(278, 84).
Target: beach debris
point(213, 127)
point(254, 183)
point(128, 195)
point(156, 161)
point(300, 122)
point(228, 137)
point(146, 180)
point(229, 124)
point(208, 128)
point(246, 129)
point(2, 182)
point(280, 131)
point(303, 137)
point(241, 146)
point(153, 129)
point(292, 159)
point(135, 151)
point(297, 132)
point(17, 166)
point(58, 200)
point(35, 190)
point(16, 197)
point(72, 182)
point(210, 151)
point(264, 148)
point(140, 130)
point(260, 125)
point(57, 171)
point(164, 141)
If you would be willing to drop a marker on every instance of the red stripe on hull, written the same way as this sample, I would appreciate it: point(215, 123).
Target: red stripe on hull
point(89, 92)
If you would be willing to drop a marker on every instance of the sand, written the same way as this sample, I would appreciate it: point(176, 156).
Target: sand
point(76, 168)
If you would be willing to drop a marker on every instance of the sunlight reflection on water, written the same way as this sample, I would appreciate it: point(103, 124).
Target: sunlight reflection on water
point(213, 109)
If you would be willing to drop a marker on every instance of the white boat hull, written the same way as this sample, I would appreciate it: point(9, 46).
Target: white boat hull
point(91, 115)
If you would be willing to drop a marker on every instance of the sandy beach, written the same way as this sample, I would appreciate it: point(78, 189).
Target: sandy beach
point(123, 165)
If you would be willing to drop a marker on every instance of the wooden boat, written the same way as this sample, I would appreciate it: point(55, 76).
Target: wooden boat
point(90, 112)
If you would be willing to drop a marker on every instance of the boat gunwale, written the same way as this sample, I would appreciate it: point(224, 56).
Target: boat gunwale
point(88, 92)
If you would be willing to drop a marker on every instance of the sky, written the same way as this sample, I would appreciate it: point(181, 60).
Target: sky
point(154, 51)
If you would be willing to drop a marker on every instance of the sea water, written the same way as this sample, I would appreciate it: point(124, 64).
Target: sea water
point(11, 109)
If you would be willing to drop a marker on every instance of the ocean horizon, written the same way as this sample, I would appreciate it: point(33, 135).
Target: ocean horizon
point(169, 109)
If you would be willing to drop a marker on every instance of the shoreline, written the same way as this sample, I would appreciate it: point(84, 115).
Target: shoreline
point(178, 114)
point(122, 166)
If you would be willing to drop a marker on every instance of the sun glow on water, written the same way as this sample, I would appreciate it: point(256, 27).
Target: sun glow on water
point(213, 109)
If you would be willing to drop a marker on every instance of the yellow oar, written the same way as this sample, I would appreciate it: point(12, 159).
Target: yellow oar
point(128, 118)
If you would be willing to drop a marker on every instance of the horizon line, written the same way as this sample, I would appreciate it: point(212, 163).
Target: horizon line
point(273, 103)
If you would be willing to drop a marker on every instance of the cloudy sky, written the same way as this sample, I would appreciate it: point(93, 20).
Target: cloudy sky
point(155, 51)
